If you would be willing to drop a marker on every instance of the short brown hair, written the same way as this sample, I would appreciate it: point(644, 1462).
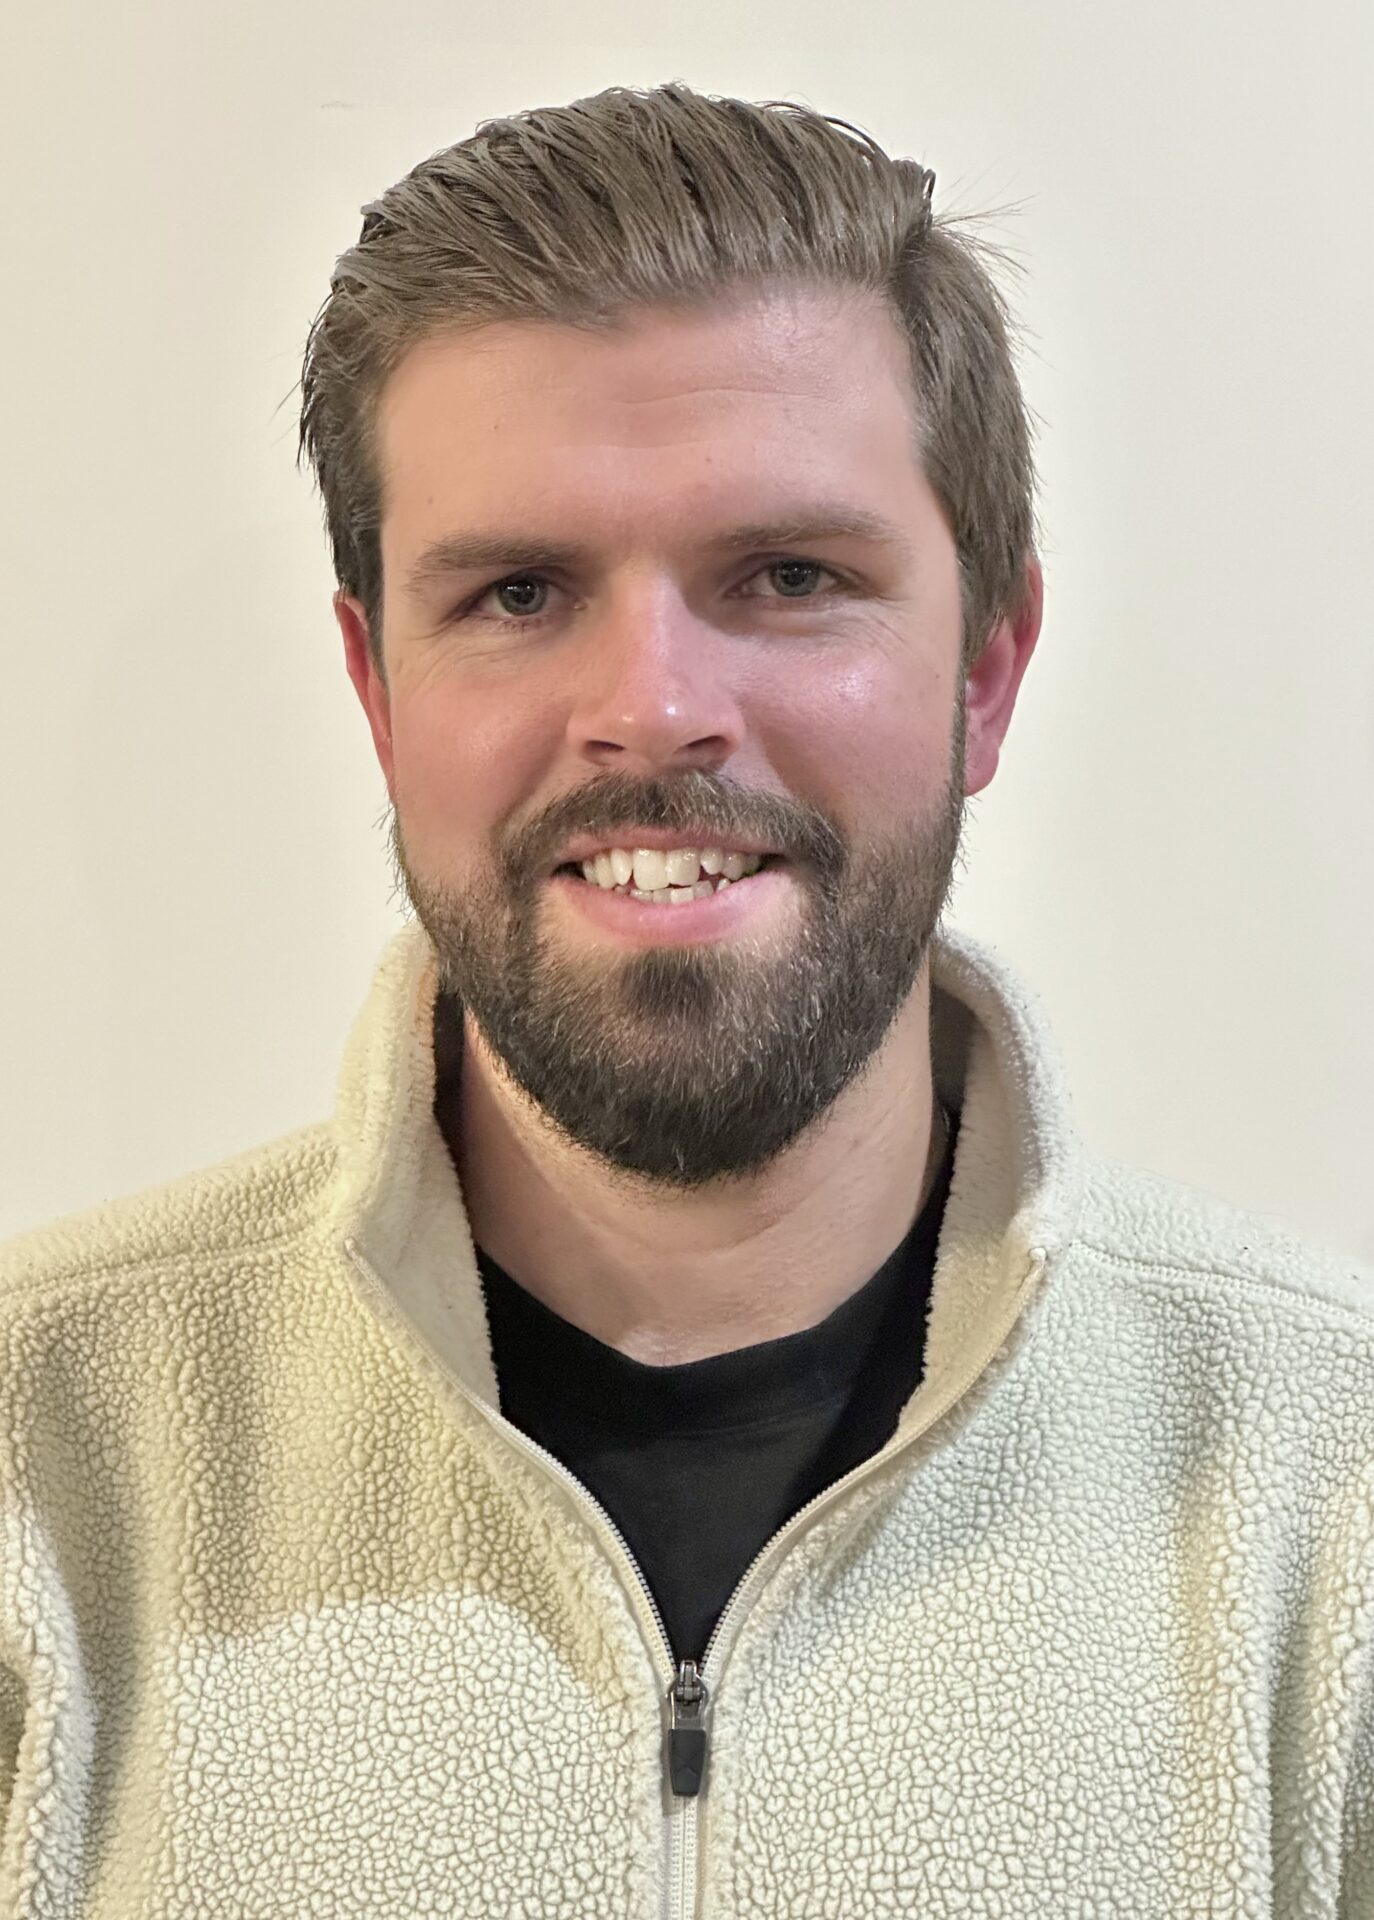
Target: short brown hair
point(633, 199)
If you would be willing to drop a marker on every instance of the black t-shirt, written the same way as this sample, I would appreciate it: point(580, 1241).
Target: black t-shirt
point(699, 1465)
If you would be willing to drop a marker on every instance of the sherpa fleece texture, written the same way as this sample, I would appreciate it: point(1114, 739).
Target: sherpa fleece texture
point(292, 1622)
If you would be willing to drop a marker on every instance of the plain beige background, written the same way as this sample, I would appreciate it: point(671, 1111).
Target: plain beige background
point(1177, 850)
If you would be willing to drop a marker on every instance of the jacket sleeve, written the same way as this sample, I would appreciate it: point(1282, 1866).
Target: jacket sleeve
point(1356, 1898)
point(13, 1686)
point(11, 1728)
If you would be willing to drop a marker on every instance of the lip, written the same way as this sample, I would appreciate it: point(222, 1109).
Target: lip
point(654, 840)
point(644, 923)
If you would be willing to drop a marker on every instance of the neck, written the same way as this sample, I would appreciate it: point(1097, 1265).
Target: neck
point(670, 1277)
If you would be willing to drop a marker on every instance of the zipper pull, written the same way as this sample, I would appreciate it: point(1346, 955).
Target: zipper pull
point(686, 1735)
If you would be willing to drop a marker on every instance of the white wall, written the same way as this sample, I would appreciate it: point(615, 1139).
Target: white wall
point(1177, 849)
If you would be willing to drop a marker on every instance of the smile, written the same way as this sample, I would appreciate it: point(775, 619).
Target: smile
point(668, 878)
point(711, 909)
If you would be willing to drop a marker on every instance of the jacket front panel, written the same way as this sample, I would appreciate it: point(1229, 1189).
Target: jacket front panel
point(313, 1640)
point(1101, 1692)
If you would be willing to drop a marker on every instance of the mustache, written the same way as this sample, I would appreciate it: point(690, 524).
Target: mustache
point(695, 803)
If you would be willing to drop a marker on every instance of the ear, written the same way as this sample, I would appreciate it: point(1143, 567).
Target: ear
point(995, 680)
point(368, 683)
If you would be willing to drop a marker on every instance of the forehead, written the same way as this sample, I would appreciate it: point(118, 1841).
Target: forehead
point(682, 409)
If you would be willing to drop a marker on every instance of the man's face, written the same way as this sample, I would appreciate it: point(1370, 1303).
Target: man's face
point(802, 692)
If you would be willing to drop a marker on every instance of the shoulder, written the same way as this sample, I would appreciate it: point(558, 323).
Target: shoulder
point(268, 1192)
point(1190, 1238)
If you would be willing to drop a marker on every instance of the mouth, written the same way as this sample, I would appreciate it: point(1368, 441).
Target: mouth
point(712, 909)
point(756, 863)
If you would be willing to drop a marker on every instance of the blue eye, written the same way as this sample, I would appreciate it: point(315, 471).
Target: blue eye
point(519, 584)
point(786, 566)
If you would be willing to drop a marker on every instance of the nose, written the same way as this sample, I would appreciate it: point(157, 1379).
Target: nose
point(652, 687)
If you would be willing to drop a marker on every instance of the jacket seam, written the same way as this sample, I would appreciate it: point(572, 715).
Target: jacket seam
point(210, 1256)
point(1299, 1302)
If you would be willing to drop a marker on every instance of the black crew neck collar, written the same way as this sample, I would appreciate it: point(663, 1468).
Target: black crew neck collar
point(773, 1379)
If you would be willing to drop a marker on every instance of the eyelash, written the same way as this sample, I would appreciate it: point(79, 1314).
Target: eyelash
point(534, 619)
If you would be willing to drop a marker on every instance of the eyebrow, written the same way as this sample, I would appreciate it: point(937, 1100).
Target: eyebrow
point(484, 549)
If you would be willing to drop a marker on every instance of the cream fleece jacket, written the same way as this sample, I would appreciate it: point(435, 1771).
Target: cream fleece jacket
point(293, 1622)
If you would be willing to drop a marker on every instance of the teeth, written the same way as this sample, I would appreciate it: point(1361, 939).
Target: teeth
point(651, 870)
point(647, 872)
point(671, 896)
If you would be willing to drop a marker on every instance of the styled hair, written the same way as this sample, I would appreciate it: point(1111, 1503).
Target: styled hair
point(632, 200)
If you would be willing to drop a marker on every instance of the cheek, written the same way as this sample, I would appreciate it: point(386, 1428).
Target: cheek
point(464, 767)
point(865, 739)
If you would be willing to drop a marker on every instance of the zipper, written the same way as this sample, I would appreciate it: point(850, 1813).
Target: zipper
point(688, 1695)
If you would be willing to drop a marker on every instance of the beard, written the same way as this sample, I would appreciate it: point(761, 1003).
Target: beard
point(684, 1067)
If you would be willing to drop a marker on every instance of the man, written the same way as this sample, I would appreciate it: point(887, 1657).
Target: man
point(695, 1433)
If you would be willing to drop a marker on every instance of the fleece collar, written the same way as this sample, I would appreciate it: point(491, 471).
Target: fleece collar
point(1013, 1207)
